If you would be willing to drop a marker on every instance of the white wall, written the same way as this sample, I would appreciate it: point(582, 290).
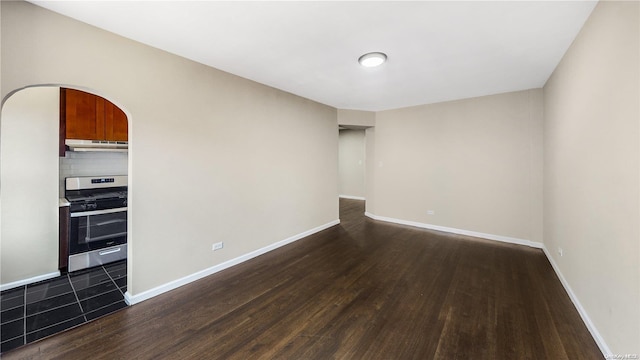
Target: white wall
point(29, 184)
point(92, 163)
point(592, 180)
point(213, 157)
point(351, 163)
point(477, 163)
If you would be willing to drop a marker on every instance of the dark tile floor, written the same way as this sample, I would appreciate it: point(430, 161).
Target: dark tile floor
point(44, 308)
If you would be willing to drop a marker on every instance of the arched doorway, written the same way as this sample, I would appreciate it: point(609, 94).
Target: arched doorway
point(31, 185)
point(32, 178)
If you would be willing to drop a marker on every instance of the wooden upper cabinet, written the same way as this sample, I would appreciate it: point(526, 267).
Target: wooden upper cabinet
point(91, 117)
point(115, 123)
point(84, 115)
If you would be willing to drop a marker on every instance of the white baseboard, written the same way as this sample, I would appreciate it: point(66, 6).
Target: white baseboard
point(583, 314)
point(500, 238)
point(30, 280)
point(351, 197)
point(145, 295)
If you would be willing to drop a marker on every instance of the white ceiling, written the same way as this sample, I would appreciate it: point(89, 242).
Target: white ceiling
point(437, 51)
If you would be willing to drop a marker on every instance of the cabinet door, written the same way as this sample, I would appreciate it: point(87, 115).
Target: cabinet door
point(84, 115)
point(115, 122)
point(63, 237)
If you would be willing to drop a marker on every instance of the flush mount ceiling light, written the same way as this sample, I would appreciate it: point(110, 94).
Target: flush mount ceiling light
point(372, 59)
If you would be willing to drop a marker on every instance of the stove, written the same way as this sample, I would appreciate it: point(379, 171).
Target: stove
point(98, 220)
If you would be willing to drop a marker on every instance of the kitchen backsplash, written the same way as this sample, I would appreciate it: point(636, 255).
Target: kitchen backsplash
point(92, 164)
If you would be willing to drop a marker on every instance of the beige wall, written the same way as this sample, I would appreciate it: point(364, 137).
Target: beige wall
point(213, 157)
point(29, 185)
point(592, 147)
point(357, 118)
point(254, 165)
point(370, 168)
point(351, 163)
point(476, 163)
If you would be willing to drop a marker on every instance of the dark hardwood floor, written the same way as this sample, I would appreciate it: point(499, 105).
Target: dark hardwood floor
point(359, 290)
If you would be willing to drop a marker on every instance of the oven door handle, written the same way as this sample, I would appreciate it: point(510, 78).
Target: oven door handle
point(98, 212)
point(107, 252)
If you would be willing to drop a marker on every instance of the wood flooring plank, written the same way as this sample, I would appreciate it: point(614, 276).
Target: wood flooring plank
point(360, 290)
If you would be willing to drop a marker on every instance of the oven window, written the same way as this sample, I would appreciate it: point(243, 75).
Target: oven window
point(103, 227)
point(98, 231)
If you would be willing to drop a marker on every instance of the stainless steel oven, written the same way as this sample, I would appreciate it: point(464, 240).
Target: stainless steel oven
point(98, 220)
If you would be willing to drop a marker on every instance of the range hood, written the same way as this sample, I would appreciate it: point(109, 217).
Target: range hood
point(97, 145)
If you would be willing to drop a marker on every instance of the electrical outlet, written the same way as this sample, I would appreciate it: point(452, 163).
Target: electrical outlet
point(217, 246)
point(430, 212)
point(560, 252)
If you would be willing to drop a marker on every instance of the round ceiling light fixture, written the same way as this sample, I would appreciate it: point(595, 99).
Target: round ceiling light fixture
point(372, 59)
